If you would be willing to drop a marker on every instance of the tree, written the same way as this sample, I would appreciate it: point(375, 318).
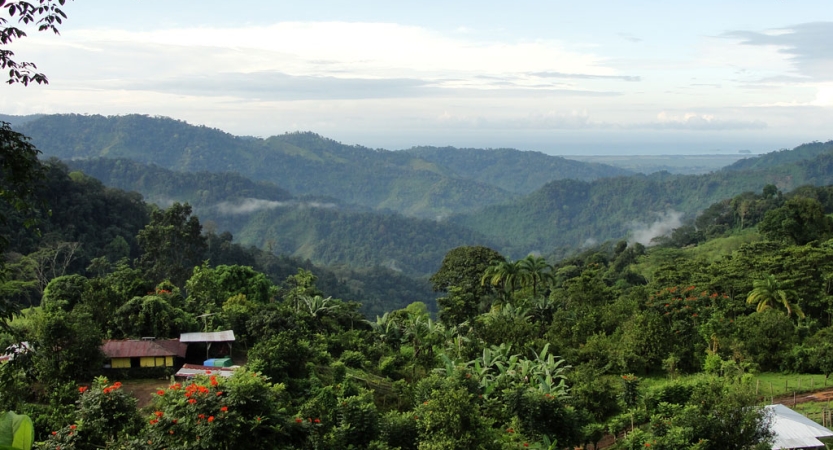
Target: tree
point(20, 176)
point(43, 13)
point(66, 346)
point(64, 292)
point(535, 269)
point(152, 315)
point(502, 273)
point(769, 292)
point(172, 243)
point(464, 267)
point(799, 221)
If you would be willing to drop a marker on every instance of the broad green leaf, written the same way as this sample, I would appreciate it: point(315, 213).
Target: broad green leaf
point(16, 431)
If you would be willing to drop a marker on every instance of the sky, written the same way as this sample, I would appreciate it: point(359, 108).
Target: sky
point(589, 77)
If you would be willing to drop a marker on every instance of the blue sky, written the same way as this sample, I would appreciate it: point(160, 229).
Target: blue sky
point(586, 77)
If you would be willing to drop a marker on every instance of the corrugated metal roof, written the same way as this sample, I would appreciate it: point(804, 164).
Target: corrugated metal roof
point(793, 430)
point(137, 349)
point(192, 370)
point(214, 336)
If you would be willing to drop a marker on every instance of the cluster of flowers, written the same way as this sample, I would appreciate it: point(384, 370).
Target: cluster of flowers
point(309, 419)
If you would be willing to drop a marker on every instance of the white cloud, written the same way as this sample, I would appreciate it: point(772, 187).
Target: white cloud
point(347, 49)
point(253, 205)
point(663, 226)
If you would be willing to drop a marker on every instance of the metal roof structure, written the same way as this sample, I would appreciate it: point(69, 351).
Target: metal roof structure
point(192, 370)
point(793, 430)
point(214, 336)
point(14, 350)
point(145, 347)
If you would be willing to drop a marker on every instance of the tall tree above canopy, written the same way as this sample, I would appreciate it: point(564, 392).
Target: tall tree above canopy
point(20, 173)
point(460, 276)
point(799, 221)
point(172, 244)
point(536, 271)
point(769, 292)
point(46, 15)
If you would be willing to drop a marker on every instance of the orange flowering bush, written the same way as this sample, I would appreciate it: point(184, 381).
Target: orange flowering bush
point(212, 412)
point(104, 413)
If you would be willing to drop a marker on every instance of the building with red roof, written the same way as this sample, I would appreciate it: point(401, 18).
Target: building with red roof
point(132, 353)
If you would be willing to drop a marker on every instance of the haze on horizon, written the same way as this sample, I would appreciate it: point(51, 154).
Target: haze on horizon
point(558, 77)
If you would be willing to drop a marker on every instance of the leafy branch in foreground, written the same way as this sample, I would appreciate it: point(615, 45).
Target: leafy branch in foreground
point(46, 14)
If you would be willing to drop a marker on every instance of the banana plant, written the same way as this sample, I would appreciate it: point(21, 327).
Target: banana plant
point(16, 432)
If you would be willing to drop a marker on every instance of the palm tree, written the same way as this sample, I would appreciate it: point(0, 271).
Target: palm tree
point(502, 273)
point(769, 292)
point(535, 269)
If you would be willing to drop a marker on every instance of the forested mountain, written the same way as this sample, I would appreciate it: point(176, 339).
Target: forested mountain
point(571, 213)
point(85, 227)
point(783, 156)
point(516, 171)
point(162, 186)
point(303, 163)
point(324, 178)
point(317, 229)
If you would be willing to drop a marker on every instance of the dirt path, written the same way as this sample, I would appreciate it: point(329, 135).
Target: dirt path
point(821, 395)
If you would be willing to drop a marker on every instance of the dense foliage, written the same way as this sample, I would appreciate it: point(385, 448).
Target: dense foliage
point(742, 288)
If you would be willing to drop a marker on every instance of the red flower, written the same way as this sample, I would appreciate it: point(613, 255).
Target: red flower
point(54, 433)
point(192, 401)
point(159, 413)
point(298, 420)
point(317, 420)
point(82, 389)
point(211, 418)
point(219, 393)
point(117, 385)
point(224, 409)
point(106, 390)
point(201, 416)
point(160, 392)
point(526, 444)
point(510, 430)
point(72, 427)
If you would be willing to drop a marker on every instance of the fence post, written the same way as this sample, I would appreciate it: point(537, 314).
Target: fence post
point(757, 385)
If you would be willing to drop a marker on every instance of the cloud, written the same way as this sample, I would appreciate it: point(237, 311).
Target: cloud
point(806, 45)
point(629, 37)
point(695, 121)
point(663, 226)
point(584, 76)
point(316, 58)
point(271, 85)
point(550, 120)
point(252, 205)
point(247, 206)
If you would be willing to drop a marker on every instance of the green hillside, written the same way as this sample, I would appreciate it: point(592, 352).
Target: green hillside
point(783, 156)
point(513, 170)
point(303, 163)
point(309, 164)
point(322, 230)
point(569, 213)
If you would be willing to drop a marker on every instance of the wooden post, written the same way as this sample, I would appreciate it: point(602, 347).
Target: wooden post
point(757, 385)
point(793, 399)
point(770, 389)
